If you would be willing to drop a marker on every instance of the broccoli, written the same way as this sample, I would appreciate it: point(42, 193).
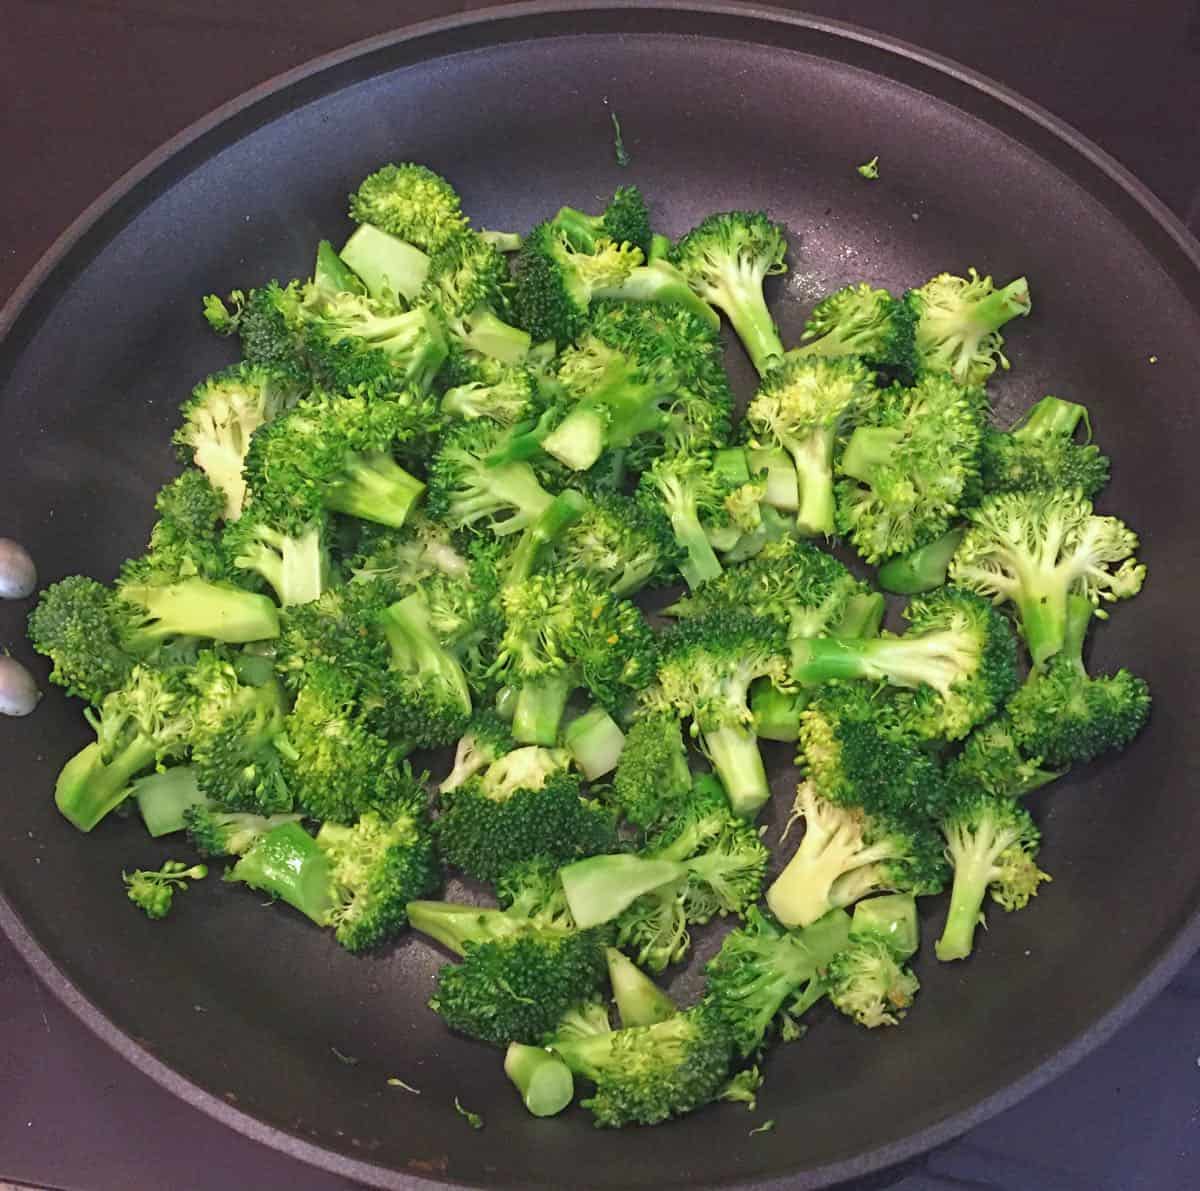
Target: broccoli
point(486, 739)
point(294, 563)
point(708, 664)
point(190, 510)
point(776, 713)
point(959, 321)
point(640, 1002)
point(595, 743)
point(1041, 453)
point(518, 976)
point(639, 369)
point(1065, 717)
point(802, 406)
point(865, 322)
point(868, 983)
point(652, 777)
point(239, 750)
point(912, 464)
point(153, 892)
point(220, 417)
point(411, 202)
point(336, 454)
point(995, 760)
point(561, 631)
point(215, 832)
point(537, 541)
point(389, 269)
point(467, 284)
point(923, 569)
point(959, 659)
point(486, 388)
point(625, 220)
point(991, 843)
point(647, 1074)
point(726, 259)
point(358, 879)
point(621, 544)
point(265, 320)
point(420, 549)
point(542, 1078)
point(145, 722)
point(1035, 549)
point(764, 974)
point(524, 806)
point(164, 798)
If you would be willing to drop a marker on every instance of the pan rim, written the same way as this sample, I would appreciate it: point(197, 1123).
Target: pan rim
point(1153, 981)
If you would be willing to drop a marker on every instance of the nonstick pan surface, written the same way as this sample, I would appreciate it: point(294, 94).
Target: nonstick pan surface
point(239, 1008)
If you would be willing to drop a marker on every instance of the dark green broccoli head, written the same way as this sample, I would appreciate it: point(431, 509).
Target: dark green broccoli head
point(995, 760)
point(412, 202)
point(625, 221)
point(267, 321)
point(865, 322)
point(620, 543)
point(652, 776)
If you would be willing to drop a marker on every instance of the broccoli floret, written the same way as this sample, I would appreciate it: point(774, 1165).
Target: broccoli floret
point(190, 510)
point(295, 564)
point(486, 739)
point(652, 777)
point(869, 984)
point(556, 282)
point(726, 259)
point(215, 832)
point(420, 549)
point(153, 892)
point(959, 658)
point(708, 664)
point(145, 722)
point(865, 322)
point(649, 1074)
point(525, 806)
point(625, 221)
point(802, 406)
point(764, 974)
point(239, 750)
point(519, 975)
point(221, 415)
point(265, 320)
point(1063, 716)
point(912, 465)
point(1035, 549)
point(561, 631)
point(621, 544)
point(1041, 453)
point(995, 760)
point(412, 202)
point(959, 321)
point(640, 370)
point(337, 454)
point(467, 285)
point(991, 843)
point(485, 388)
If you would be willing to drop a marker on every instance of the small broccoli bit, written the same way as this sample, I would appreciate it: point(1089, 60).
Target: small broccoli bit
point(959, 659)
point(239, 749)
point(865, 322)
point(525, 806)
point(625, 220)
point(1036, 549)
point(220, 417)
point(419, 550)
point(266, 321)
point(387, 268)
point(518, 974)
point(708, 664)
point(991, 843)
point(621, 544)
point(543, 1079)
point(639, 1001)
point(994, 759)
point(486, 739)
point(556, 281)
point(765, 976)
point(726, 259)
point(911, 466)
point(869, 169)
point(411, 202)
point(959, 321)
point(802, 407)
point(1062, 716)
point(482, 387)
point(652, 778)
point(595, 743)
point(153, 892)
point(215, 832)
point(892, 918)
point(923, 569)
point(869, 984)
point(1040, 453)
point(145, 722)
point(649, 1074)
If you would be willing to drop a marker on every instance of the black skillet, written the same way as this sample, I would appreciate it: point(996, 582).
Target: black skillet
point(238, 1008)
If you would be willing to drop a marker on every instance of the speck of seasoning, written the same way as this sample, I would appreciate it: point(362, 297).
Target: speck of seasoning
point(1153, 359)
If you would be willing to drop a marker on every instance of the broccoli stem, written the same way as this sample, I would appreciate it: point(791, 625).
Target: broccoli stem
point(489, 334)
point(892, 917)
point(543, 1079)
point(612, 415)
point(501, 241)
point(386, 264)
point(1053, 415)
point(813, 458)
point(700, 562)
point(332, 275)
point(1043, 612)
point(862, 616)
point(731, 465)
point(599, 888)
point(1001, 306)
point(539, 709)
point(902, 661)
point(566, 508)
point(595, 742)
point(733, 750)
point(782, 488)
point(640, 1002)
point(922, 569)
point(1080, 611)
point(88, 787)
point(776, 713)
point(415, 649)
point(453, 924)
point(869, 448)
point(374, 488)
point(740, 296)
point(163, 798)
point(196, 608)
point(660, 248)
point(290, 865)
point(580, 228)
point(972, 873)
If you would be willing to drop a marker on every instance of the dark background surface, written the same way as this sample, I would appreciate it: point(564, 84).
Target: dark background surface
point(88, 88)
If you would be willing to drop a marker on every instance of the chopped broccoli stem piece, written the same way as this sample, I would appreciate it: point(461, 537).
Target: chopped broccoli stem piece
point(924, 568)
point(543, 1079)
point(289, 864)
point(892, 917)
point(331, 274)
point(776, 713)
point(600, 887)
point(595, 742)
point(640, 1002)
point(540, 705)
point(385, 264)
point(163, 798)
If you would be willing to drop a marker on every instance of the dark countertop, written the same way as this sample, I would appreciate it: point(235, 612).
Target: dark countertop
point(90, 88)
